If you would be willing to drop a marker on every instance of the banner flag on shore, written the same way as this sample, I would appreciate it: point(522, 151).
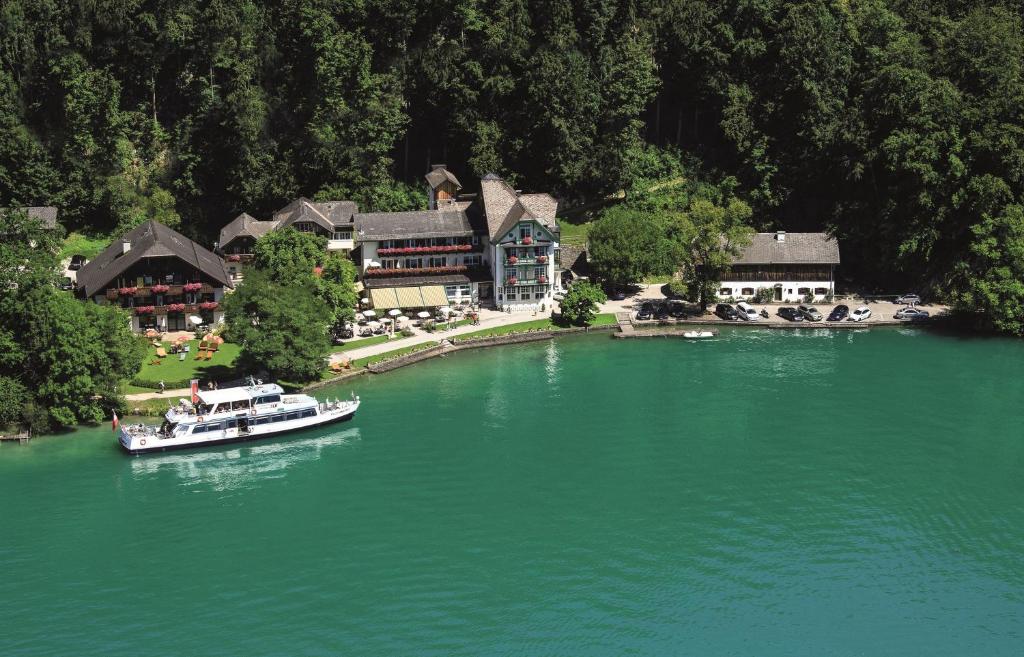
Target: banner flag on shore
point(194, 387)
point(114, 422)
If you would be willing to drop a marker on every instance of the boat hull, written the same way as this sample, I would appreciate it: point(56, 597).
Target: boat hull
point(240, 438)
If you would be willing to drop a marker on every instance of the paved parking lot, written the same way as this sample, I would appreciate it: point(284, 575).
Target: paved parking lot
point(881, 311)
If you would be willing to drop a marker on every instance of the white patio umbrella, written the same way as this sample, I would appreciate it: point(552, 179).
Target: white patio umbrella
point(445, 310)
point(195, 319)
point(402, 318)
point(394, 312)
point(364, 301)
point(374, 324)
point(374, 263)
point(423, 314)
point(369, 313)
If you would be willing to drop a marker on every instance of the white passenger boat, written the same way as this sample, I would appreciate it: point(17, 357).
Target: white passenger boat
point(698, 335)
point(246, 412)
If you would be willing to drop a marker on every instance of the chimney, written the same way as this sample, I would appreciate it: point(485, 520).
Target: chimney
point(780, 236)
point(126, 246)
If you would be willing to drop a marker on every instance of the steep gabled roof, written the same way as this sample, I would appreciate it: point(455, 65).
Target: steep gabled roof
point(439, 174)
point(795, 248)
point(326, 214)
point(149, 240)
point(244, 226)
point(504, 207)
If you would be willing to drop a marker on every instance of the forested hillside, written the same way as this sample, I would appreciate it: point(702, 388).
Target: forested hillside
point(897, 124)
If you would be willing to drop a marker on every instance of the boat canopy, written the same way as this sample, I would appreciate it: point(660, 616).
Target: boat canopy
point(241, 393)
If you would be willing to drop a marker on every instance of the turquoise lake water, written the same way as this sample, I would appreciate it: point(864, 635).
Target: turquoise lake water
point(769, 493)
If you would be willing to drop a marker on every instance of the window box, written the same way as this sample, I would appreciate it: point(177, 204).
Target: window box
point(175, 307)
point(192, 287)
point(144, 310)
point(128, 291)
point(209, 305)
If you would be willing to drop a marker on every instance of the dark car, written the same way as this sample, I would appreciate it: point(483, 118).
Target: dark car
point(661, 311)
point(908, 299)
point(677, 309)
point(77, 261)
point(839, 313)
point(618, 295)
point(727, 312)
point(67, 284)
point(646, 310)
point(911, 313)
point(790, 313)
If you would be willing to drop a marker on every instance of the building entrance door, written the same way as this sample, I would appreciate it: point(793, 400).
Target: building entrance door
point(778, 292)
point(486, 291)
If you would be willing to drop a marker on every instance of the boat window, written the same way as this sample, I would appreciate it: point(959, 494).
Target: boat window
point(203, 409)
point(268, 399)
point(277, 418)
point(240, 405)
point(309, 412)
point(199, 428)
point(292, 416)
point(231, 424)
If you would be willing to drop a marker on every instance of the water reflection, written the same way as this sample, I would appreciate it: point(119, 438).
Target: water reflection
point(243, 465)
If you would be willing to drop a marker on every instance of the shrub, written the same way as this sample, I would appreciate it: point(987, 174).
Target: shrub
point(429, 326)
point(407, 331)
point(809, 297)
point(764, 295)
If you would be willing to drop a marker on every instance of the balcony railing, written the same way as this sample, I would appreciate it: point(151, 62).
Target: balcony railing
point(188, 308)
point(776, 276)
point(417, 271)
point(424, 250)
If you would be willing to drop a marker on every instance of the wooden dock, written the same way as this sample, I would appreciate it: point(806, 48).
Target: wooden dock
point(22, 437)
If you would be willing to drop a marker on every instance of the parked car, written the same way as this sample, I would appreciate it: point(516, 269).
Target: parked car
point(810, 313)
point(618, 295)
point(839, 313)
point(908, 299)
point(747, 312)
point(646, 310)
point(727, 312)
point(911, 313)
point(860, 314)
point(67, 284)
point(77, 261)
point(677, 309)
point(790, 313)
point(661, 310)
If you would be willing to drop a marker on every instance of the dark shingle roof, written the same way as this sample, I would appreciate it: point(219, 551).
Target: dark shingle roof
point(438, 174)
point(244, 226)
point(46, 214)
point(326, 214)
point(148, 240)
point(796, 248)
point(454, 222)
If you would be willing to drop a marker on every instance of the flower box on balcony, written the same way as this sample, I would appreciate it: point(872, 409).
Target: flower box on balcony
point(159, 288)
point(415, 271)
point(175, 307)
point(542, 260)
point(192, 287)
point(513, 281)
point(144, 310)
point(527, 240)
point(542, 279)
point(414, 250)
point(512, 260)
point(209, 305)
point(128, 291)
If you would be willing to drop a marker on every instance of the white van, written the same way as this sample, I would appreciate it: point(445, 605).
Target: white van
point(746, 311)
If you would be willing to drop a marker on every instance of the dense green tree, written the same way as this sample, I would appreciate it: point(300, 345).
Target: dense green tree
point(280, 326)
point(628, 244)
point(581, 303)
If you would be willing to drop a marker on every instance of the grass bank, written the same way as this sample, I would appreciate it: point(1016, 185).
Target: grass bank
point(81, 244)
point(176, 373)
point(546, 324)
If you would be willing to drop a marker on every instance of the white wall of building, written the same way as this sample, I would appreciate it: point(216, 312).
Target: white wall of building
point(790, 290)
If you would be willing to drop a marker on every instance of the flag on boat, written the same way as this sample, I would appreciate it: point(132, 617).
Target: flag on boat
point(114, 422)
point(194, 388)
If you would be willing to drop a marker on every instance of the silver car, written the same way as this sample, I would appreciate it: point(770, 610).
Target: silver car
point(810, 313)
point(911, 313)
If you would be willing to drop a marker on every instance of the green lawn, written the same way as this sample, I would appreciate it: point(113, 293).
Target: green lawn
point(362, 342)
point(171, 370)
point(87, 245)
point(574, 234)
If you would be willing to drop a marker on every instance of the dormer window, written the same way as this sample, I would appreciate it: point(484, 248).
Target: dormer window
point(525, 230)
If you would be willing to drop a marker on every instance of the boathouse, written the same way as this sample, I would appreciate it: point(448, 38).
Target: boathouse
point(791, 265)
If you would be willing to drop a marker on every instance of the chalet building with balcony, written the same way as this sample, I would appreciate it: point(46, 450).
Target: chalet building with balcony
point(792, 265)
point(329, 219)
point(493, 248)
point(523, 239)
point(161, 276)
point(425, 258)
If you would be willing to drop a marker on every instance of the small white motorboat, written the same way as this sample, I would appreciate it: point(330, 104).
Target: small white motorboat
point(698, 335)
